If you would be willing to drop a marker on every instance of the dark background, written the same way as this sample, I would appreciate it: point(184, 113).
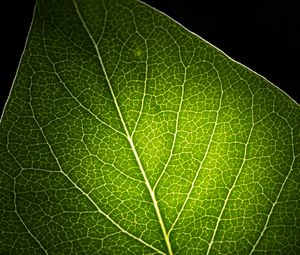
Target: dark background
point(260, 35)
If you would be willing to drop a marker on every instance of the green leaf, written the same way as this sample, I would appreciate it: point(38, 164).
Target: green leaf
point(125, 133)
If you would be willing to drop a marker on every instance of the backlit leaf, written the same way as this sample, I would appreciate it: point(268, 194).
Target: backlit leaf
point(125, 133)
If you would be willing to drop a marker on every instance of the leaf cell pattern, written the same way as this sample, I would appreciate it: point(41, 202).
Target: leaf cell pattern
point(125, 133)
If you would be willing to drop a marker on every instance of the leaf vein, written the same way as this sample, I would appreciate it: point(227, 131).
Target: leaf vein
point(279, 193)
point(205, 155)
point(177, 115)
point(130, 141)
point(15, 206)
point(86, 194)
point(239, 171)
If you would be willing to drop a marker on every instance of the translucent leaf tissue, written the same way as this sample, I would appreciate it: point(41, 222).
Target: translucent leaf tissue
point(124, 133)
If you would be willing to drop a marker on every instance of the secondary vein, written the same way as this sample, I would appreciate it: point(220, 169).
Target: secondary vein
point(204, 158)
point(152, 194)
point(177, 117)
point(236, 178)
point(16, 210)
point(278, 196)
point(146, 77)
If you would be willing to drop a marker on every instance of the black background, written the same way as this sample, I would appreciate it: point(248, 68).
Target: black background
point(262, 36)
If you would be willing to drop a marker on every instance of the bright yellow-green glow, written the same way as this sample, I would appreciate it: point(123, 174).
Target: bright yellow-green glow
point(127, 134)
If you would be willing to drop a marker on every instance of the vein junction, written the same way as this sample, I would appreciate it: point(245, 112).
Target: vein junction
point(129, 138)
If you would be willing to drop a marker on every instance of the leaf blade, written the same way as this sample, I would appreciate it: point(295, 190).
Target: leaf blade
point(182, 158)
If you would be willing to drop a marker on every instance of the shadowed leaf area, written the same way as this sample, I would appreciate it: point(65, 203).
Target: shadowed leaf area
point(125, 133)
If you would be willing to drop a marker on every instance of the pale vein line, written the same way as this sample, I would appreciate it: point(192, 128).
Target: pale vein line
point(23, 223)
point(104, 25)
point(88, 110)
point(62, 33)
point(84, 193)
point(152, 194)
point(146, 69)
point(72, 95)
point(62, 82)
point(177, 117)
point(238, 174)
point(15, 205)
point(15, 194)
point(80, 104)
point(110, 164)
point(279, 193)
point(146, 76)
point(204, 158)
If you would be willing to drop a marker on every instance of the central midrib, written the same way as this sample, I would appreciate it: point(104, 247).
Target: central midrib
point(130, 141)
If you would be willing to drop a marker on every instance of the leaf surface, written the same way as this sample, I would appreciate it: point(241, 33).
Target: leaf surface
point(125, 133)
